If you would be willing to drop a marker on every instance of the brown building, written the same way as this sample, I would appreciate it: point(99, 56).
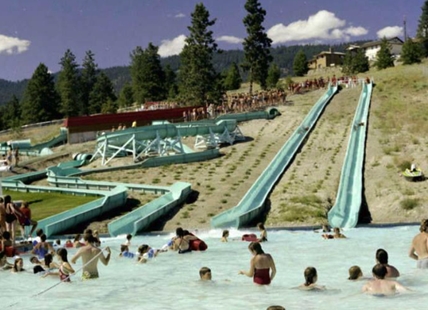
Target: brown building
point(326, 59)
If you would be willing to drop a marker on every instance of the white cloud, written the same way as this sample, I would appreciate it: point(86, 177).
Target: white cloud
point(230, 39)
point(172, 47)
point(11, 45)
point(390, 32)
point(180, 15)
point(324, 25)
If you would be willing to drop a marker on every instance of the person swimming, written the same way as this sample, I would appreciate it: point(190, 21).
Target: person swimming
point(311, 277)
point(380, 286)
point(225, 235)
point(355, 273)
point(263, 232)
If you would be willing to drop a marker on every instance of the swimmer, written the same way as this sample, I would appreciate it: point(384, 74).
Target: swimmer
point(182, 241)
point(260, 265)
point(4, 264)
point(382, 258)
point(205, 274)
point(276, 307)
point(225, 235)
point(124, 252)
point(64, 270)
point(146, 253)
point(337, 234)
point(380, 286)
point(263, 232)
point(311, 277)
point(419, 248)
point(128, 240)
point(18, 265)
point(90, 256)
point(355, 273)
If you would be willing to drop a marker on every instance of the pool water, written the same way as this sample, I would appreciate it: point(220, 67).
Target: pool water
point(171, 281)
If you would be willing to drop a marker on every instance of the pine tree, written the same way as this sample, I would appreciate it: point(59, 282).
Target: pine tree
point(233, 79)
point(40, 100)
point(274, 74)
point(126, 96)
point(256, 45)
point(300, 64)
point(88, 79)
point(347, 67)
point(412, 52)
point(170, 82)
point(68, 85)
point(197, 76)
point(384, 58)
point(11, 113)
point(422, 33)
point(101, 93)
point(148, 77)
point(360, 62)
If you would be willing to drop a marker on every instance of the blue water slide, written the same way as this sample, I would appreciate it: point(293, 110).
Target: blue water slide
point(252, 204)
point(346, 209)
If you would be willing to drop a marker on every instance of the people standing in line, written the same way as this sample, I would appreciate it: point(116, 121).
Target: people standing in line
point(382, 258)
point(419, 247)
point(380, 286)
point(12, 214)
point(262, 265)
point(2, 216)
point(90, 255)
point(263, 232)
point(26, 220)
point(16, 156)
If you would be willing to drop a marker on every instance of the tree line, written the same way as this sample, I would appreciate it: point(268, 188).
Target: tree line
point(199, 75)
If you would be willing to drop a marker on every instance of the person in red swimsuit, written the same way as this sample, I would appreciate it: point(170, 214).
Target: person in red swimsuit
point(262, 265)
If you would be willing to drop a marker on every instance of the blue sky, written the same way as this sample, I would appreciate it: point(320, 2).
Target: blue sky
point(40, 31)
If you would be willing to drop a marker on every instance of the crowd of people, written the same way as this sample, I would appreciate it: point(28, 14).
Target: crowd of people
point(262, 265)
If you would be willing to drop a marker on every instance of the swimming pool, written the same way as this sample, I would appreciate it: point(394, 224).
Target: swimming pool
point(171, 281)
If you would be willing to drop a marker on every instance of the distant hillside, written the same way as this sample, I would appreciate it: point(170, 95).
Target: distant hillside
point(283, 57)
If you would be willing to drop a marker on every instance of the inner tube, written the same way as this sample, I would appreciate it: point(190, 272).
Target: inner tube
point(249, 237)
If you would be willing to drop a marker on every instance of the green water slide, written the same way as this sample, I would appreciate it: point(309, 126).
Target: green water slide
point(40, 149)
point(346, 209)
point(251, 205)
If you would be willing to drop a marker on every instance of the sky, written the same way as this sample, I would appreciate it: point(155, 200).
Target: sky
point(40, 31)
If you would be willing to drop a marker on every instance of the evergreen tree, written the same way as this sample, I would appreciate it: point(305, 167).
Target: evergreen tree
point(170, 82)
point(11, 114)
point(412, 52)
point(68, 85)
point(102, 92)
point(109, 107)
point(126, 96)
point(300, 64)
point(422, 33)
point(274, 74)
point(360, 62)
point(256, 45)
point(197, 76)
point(347, 67)
point(40, 101)
point(148, 77)
point(88, 79)
point(384, 58)
point(233, 79)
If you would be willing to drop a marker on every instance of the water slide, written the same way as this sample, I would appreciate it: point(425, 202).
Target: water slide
point(251, 205)
point(346, 209)
point(40, 149)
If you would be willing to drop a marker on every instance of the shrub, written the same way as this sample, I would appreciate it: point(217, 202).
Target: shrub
point(409, 203)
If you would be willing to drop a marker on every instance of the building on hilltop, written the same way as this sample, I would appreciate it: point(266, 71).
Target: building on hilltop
point(372, 48)
point(326, 59)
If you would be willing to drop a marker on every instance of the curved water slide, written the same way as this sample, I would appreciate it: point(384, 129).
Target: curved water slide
point(251, 205)
point(164, 138)
point(346, 209)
